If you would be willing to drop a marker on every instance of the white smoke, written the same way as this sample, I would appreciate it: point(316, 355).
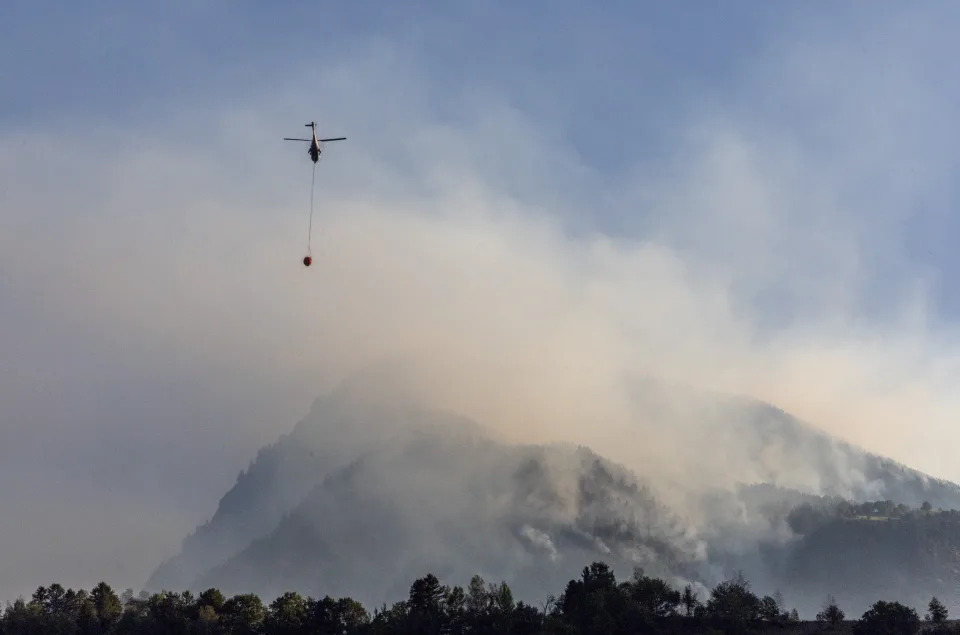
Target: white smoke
point(540, 539)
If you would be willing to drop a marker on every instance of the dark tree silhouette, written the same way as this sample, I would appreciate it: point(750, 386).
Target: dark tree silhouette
point(733, 604)
point(690, 601)
point(936, 611)
point(243, 614)
point(888, 618)
point(653, 597)
point(289, 614)
point(832, 615)
point(107, 608)
point(587, 603)
point(425, 606)
point(593, 604)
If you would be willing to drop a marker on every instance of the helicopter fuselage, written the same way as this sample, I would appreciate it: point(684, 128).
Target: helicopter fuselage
point(314, 150)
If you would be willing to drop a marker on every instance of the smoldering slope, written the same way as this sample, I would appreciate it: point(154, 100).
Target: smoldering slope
point(177, 264)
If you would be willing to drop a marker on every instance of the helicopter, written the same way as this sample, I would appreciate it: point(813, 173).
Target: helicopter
point(314, 150)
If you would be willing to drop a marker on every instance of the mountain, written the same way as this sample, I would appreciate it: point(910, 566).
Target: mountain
point(338, 428)
point(374, 489)
point(458, 504)
point(908, 557)
point(722, 439)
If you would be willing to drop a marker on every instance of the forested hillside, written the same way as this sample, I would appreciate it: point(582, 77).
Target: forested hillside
point(879, 549)
point(374, 487)
point(455, 504)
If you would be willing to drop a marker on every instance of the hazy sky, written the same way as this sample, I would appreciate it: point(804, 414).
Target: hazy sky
point(534, 199)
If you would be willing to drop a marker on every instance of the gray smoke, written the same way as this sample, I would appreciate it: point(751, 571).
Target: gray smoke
point(158, 328)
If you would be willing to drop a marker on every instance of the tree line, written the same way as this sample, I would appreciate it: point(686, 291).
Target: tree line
point(594, 604)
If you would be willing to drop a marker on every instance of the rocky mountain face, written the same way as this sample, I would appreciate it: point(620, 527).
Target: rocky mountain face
point(372, 490)
point(457, 505)
point(339, 428)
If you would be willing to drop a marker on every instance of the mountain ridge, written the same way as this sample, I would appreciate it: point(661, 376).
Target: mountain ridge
point(326, 461)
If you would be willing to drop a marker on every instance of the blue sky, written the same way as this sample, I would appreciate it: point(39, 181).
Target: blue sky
point(628, 71)
point(751, 196)
point(612, 85)
point(120, 57)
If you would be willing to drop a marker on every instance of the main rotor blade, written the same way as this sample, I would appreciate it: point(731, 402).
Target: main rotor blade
point(337, 139)
point(292, 139)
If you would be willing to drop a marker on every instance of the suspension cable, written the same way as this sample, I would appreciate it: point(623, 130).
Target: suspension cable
point(313, 182)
